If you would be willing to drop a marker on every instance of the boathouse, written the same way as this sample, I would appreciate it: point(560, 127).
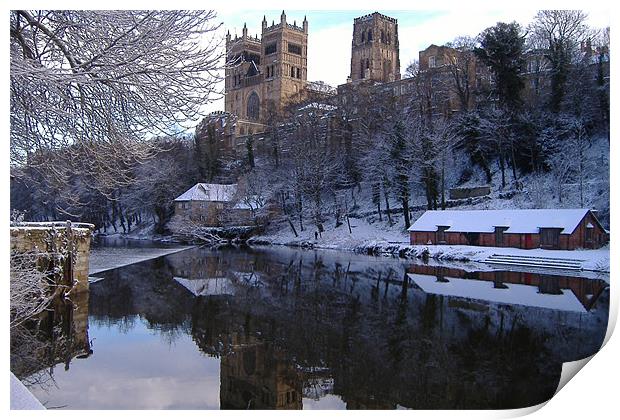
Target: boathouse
point(527, 228)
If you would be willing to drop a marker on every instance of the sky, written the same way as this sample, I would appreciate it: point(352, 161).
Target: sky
point(330, 32)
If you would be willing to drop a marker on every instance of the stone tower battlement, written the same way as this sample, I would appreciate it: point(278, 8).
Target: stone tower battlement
point(263, 74)
point(374, 49)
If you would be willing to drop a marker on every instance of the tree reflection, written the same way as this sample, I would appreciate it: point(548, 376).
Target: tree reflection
point(291, 324)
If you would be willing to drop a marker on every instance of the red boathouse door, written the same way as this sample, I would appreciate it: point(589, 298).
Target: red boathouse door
point(528, 241)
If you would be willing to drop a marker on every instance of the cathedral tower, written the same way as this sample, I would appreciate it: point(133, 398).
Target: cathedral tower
point(264, 74)
point(374, 54)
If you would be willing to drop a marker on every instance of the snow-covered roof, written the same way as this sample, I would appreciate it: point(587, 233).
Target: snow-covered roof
point(514, 294)
point(209, 192)
point(207, 287)
point(485, 221)
point(318, 105)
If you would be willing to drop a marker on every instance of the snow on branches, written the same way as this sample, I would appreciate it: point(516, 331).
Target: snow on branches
point(95, 84)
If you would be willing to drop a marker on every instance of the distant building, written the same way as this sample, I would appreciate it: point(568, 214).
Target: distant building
point(212, 205)
point(374, 50)
point(527, 229)
point(266, 73)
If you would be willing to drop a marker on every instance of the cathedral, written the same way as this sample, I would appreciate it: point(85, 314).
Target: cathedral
point(265, 74)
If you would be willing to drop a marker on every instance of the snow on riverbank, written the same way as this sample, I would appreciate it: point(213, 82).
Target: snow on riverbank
point(593, 259)
point(380, 238)
point(334, 237)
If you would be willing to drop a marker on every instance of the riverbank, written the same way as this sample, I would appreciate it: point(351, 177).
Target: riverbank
point(381, 239)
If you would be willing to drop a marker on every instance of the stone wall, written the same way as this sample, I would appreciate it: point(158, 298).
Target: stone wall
point(55, 237)
point(459, 193)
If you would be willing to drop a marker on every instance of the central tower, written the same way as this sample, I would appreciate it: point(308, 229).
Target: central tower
point(374, 53)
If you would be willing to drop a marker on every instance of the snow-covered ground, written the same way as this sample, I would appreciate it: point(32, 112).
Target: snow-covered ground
point(369, 234)
point(593, 259)
point(380, 238)
point(335, 237)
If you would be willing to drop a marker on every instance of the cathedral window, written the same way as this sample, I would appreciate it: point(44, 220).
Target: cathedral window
point(369, 35)
point(294, 49)
point(271, 48)
point(253, 109)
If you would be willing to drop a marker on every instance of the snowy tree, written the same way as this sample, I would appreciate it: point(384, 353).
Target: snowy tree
point(444, 138)
point(497, 129)
point(101, 82)
point(401, 161)
point(462, 68)
point(560, 33)
point(209, 153)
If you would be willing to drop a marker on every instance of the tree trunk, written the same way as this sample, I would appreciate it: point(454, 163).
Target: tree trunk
point(443, 183)
point(502, 167)
point(292, 226)
point(299, 209)
point(387, 206)
point(405, 198)
point(514, 163)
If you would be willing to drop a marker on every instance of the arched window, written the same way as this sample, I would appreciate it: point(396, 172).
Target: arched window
point(253, 106)
point(363, 36)
point(382, 37)
point(369, 35)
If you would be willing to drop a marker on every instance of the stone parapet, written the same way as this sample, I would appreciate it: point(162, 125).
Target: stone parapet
point(60, 239)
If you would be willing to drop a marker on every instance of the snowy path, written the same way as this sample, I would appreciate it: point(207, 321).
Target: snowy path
point(108, 258)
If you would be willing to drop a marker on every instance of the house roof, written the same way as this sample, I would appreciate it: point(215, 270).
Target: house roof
point(207, 287)
point(209, 192)
point(485, 221)
point(514, 294)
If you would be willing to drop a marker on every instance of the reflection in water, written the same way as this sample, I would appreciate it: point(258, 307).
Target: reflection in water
point(328, 329)
point(52, 338)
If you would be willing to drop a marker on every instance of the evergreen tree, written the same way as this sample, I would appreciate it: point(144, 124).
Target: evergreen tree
point(501, 48)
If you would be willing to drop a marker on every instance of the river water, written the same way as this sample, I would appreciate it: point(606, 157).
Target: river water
point(237, 328)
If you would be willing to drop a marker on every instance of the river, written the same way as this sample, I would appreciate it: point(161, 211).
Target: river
point(271, 327)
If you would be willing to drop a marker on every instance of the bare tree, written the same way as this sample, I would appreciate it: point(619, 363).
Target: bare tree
point(462, 66)
point(102, 82)
point(560, 33)
point(31, 289)
point(445, 138)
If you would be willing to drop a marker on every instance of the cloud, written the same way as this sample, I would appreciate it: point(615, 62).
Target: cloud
point(329, 54)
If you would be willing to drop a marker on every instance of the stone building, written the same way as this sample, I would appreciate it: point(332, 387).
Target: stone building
point(374, 51)
point(266, 73)
point(213, 205)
